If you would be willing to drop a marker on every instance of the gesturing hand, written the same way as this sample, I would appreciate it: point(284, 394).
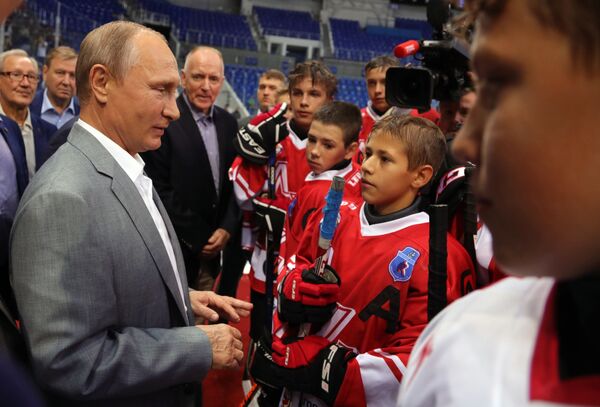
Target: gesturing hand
point(211, 306)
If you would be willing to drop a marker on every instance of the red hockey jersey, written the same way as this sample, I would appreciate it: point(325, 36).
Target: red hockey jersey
point(382, 306)
point(251, 181)
point(309, 200)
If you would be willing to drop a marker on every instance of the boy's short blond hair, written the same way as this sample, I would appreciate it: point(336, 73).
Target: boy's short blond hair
point(423, 141)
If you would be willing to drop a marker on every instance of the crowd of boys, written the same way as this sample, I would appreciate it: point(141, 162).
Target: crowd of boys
point(369, 303)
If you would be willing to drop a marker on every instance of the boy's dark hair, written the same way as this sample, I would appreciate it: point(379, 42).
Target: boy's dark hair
point(382, 61)
point(344, 115)
point(576, 20)
point(273, 74)
point(318, 72)
point(423, 141)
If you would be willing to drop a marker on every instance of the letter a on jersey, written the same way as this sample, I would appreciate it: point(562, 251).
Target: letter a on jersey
point(401, 266)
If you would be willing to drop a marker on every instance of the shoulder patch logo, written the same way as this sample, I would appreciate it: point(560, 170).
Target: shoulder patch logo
point(401, 266)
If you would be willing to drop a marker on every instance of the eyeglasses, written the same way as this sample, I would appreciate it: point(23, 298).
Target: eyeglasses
point(18, 76)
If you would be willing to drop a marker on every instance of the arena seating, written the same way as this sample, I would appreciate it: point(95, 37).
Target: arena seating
point(279, 22)
point(352, 90)
point(353, 43)
point(205, 27)
point(418, 29)
point(77, 17)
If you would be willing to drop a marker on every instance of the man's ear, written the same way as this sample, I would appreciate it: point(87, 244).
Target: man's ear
point(422, 175)
point(100, 80)
point(182, 77)
point(44, 72)
point(351, 150)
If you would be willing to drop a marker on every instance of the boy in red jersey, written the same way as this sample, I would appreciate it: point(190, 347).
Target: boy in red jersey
point(272, 167)
point(332, 142)
point(381, 252)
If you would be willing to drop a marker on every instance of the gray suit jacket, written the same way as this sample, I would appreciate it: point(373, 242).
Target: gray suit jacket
point(100, 309)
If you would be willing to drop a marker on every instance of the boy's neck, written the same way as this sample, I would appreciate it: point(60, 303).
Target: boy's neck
point(373, 217)
point(299, 131)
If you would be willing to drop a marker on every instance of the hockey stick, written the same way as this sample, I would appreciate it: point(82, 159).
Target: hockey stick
point(438, 255)
point(252, 392)
point(331, 211)
point(470, 222)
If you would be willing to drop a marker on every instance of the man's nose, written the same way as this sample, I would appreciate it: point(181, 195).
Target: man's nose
point(171, 111)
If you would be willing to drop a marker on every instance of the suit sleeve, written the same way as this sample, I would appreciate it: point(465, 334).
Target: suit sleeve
point(64, 281)
point(192, 230)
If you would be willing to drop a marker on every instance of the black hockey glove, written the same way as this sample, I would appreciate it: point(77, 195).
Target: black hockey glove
point(322, 376)
point(256, 141)
point(270, 216)
point(304, 296)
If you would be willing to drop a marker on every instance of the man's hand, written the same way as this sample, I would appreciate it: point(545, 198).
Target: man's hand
point(216, 243)
point(211, 306)
point(226, 344)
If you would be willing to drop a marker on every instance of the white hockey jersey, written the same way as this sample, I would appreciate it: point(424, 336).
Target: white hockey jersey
point(496, 347)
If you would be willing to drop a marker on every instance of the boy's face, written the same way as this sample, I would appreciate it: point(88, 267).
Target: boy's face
point(375, 79)
point(387, 183)
point(325, 147)
point(534, 134)
point(266, 92)
point(306, 99)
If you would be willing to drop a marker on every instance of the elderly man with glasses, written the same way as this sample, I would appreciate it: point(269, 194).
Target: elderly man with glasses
point(19, 77)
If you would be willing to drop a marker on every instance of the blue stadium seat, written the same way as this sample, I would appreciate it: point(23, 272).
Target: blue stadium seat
point(287, 23)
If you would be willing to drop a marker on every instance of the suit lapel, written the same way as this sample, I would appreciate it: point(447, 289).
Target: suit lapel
point(129, 197)
point(177, 251)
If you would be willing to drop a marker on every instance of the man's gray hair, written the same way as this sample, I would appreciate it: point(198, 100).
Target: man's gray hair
point(17, 53)
point(202, 48)
point(110, 45)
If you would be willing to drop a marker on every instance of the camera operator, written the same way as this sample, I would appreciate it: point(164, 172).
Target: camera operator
point(378, 106)
point(454, 112)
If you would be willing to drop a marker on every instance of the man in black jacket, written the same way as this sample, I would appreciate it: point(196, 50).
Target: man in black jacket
point(189, 170)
